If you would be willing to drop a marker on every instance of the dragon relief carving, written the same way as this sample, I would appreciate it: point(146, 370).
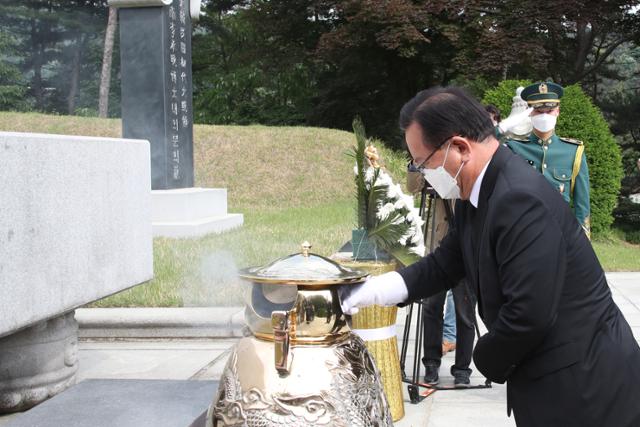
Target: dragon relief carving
point(355, 398)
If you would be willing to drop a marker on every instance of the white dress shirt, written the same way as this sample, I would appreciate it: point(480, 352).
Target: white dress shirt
point(475, 190)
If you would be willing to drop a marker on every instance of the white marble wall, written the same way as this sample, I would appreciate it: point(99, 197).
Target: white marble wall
point(75, 223)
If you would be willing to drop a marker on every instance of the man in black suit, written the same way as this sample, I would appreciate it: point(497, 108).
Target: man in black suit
point(554, 333)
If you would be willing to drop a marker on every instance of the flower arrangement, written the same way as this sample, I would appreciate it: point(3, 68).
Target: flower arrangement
point(388, 226)
point(387, 218)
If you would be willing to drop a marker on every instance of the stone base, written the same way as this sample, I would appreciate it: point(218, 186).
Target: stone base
point(191, 212)
point(123, 403)
point(38, 362)
point(160, 323)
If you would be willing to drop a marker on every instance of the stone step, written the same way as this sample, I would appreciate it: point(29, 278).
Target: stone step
point(178, 322)
point(122, 403)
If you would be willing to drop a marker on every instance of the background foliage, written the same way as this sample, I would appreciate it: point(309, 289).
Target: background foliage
point(320, 63)
point(53, 51)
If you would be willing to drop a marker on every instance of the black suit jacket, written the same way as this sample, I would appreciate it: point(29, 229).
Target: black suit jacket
point(554, 332)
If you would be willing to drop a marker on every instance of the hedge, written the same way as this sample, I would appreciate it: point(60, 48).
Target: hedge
point(580, 119)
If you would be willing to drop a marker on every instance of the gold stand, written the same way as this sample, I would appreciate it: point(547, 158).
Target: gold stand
point(385, 351)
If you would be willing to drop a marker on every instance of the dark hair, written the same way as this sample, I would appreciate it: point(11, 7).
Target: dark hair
point(493, 112)
point(443, 112)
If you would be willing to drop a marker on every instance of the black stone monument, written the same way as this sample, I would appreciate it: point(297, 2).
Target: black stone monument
point(155, 58)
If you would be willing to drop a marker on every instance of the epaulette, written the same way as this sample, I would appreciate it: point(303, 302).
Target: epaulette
point(571, 141)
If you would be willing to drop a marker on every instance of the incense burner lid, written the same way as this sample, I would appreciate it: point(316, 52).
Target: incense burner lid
point(304, 268)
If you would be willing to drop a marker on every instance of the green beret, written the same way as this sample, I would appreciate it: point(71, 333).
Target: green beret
point(542, 94)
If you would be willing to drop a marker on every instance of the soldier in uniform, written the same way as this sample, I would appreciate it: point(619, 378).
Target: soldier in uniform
point(561, 160)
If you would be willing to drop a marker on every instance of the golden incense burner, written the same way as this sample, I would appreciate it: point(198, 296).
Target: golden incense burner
point(301, 366)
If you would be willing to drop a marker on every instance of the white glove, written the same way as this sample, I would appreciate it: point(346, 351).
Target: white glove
point(386, 289)
point(514, 120)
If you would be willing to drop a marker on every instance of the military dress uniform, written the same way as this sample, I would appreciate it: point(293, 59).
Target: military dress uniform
point(563, 163)
point(561, 160)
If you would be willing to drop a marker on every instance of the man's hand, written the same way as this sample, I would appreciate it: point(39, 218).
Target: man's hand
point(507, 124)
point(386, 289)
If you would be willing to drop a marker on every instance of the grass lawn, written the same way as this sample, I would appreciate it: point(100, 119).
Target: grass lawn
point(617, 255)
point(291, 183)
point(202, 272)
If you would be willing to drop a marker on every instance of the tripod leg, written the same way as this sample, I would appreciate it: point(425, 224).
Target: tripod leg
point(405, 341)
point(417, 351)
point(423, 199)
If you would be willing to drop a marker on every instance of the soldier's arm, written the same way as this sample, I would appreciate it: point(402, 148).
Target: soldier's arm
point(580, 197)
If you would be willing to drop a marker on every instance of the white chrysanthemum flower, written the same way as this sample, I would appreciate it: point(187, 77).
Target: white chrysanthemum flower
point(403, 240)
point(384, 212)
point(399, 191)
point(417, 238)
point(398, 220)
point(368, 174)
point(355, 169)
point(391, 192)
point(418, 221)
point(408, 200)
point(384, 178)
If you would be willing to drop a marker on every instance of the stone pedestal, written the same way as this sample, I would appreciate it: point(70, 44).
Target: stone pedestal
point(191, 212)
point(74, 228)
point(38, 362)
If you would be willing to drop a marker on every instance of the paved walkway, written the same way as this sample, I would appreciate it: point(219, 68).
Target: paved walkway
point(201, 359)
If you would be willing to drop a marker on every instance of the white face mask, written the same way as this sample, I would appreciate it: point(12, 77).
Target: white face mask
point(544, 122)
point(445, 185)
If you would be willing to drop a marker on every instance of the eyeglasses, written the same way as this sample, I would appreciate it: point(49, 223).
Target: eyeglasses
point(420, 166)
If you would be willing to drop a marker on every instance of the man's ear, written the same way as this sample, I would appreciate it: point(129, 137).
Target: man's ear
point(463, 145)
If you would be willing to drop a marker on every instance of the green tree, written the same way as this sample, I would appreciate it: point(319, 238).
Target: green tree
point(376, 56)
point(12, 85)
point(570, 41)
point(52, 41)
point(251, 63)
point(621, 100)
point(316, 62)
point(322, 62)
point(580, 119)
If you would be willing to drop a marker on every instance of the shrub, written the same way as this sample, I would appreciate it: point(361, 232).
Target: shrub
point(632, 236)
point(627, 219)
point(580, 119)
